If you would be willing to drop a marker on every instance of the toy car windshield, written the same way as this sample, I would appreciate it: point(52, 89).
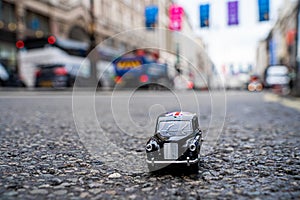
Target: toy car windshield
point(174, 128)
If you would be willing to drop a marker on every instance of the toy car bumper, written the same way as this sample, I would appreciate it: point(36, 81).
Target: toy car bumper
point(187, 161)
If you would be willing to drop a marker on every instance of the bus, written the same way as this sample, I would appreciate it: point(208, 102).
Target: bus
point(141, 71)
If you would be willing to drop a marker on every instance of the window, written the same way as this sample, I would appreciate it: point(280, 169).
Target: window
point(36, 22)
point(138, 6)
point(195, 122)
point(127, 2)
point(3, 73)
point(174, 128)
point(8, 53)
point(7, 14)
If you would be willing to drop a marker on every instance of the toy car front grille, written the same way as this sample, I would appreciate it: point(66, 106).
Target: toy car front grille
point(170, 151)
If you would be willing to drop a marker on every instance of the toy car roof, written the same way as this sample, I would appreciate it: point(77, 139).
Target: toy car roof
point(176, 116)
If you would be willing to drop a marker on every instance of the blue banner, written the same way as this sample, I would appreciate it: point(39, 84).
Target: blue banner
point(264, 9)
point(151, 13)
point(272, 52)
point(204, 15)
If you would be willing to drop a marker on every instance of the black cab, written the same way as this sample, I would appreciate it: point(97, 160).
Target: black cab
point(177, 140)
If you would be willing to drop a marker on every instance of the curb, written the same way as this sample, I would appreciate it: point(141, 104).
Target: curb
point(288, 101)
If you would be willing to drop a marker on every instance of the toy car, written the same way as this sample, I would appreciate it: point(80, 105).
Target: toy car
point(177, 140)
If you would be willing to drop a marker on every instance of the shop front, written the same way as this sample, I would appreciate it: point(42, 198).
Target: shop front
point(8, 49)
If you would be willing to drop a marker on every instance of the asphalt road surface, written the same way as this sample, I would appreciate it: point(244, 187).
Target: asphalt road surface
point(85, 145)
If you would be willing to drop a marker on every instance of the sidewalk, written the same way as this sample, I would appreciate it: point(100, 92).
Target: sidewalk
point(288, 101)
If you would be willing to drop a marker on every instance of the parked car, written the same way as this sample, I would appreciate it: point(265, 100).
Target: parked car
point(105, 74)
point(177, 140)
point(9, 78)
point(53, 75)
point(277, 75)
point(278, 78)
point(255, 84)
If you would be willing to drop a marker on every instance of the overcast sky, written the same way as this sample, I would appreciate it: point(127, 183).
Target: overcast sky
point(235, 44)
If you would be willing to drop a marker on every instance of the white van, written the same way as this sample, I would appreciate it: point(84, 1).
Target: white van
point(277, 75)
point(29, 60)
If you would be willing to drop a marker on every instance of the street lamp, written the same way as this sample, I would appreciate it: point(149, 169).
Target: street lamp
point(176, 14)
point(92, 54)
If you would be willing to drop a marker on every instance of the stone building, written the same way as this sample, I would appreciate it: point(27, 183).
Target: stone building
point(280, 45)
point(83, 20)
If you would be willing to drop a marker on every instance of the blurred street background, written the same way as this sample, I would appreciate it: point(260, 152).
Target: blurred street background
point(74, 71)
point(200, 45)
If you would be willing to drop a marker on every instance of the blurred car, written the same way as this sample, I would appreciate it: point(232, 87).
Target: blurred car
point(9, 79)
point(255, 84)
point(177, 140)
point(182, 83)
point(236, 81)
point(105, 74)
point(141, 71)
point(53, 75)
point(277, 77)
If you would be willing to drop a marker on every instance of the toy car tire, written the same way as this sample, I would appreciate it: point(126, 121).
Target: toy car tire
point(194, 167)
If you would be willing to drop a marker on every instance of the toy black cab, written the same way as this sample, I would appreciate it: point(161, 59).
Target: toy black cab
point(177, 140)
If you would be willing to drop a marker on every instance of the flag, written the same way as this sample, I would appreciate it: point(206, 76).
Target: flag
point(151, 13)
point(204, 15)
point(233, 14)
point(264, 9)
point(175, 14)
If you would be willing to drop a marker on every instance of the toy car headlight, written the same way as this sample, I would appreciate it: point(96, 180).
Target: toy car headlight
point(188, 142)
point(192, 147)
point(149, 147)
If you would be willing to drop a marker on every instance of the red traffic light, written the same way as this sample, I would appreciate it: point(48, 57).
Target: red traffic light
point(20, 44)
point(51, 39)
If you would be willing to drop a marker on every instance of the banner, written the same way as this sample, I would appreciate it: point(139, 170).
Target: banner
point(175, 14)
point(272, 52)
point(204, 15)
point(233, 15)
point(151, 13)
point(264, 9)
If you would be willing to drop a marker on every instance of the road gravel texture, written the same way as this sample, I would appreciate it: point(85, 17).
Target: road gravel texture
point(44, 155)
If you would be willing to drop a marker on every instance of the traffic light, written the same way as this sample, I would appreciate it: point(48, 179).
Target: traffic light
point(264, 9)
point(204, 15)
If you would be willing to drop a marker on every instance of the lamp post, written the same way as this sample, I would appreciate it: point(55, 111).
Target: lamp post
point(20, 31)
point(177, 65)
point(176, 13)
point(92, 53)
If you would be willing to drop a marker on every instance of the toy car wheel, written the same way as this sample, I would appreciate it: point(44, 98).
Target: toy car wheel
point(194, 168)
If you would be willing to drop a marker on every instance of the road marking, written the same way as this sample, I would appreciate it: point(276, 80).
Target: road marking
point(291, 103)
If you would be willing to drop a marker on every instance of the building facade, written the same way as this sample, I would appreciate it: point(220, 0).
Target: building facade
point(280, 45)
point(87, 20)
point(72, 19)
